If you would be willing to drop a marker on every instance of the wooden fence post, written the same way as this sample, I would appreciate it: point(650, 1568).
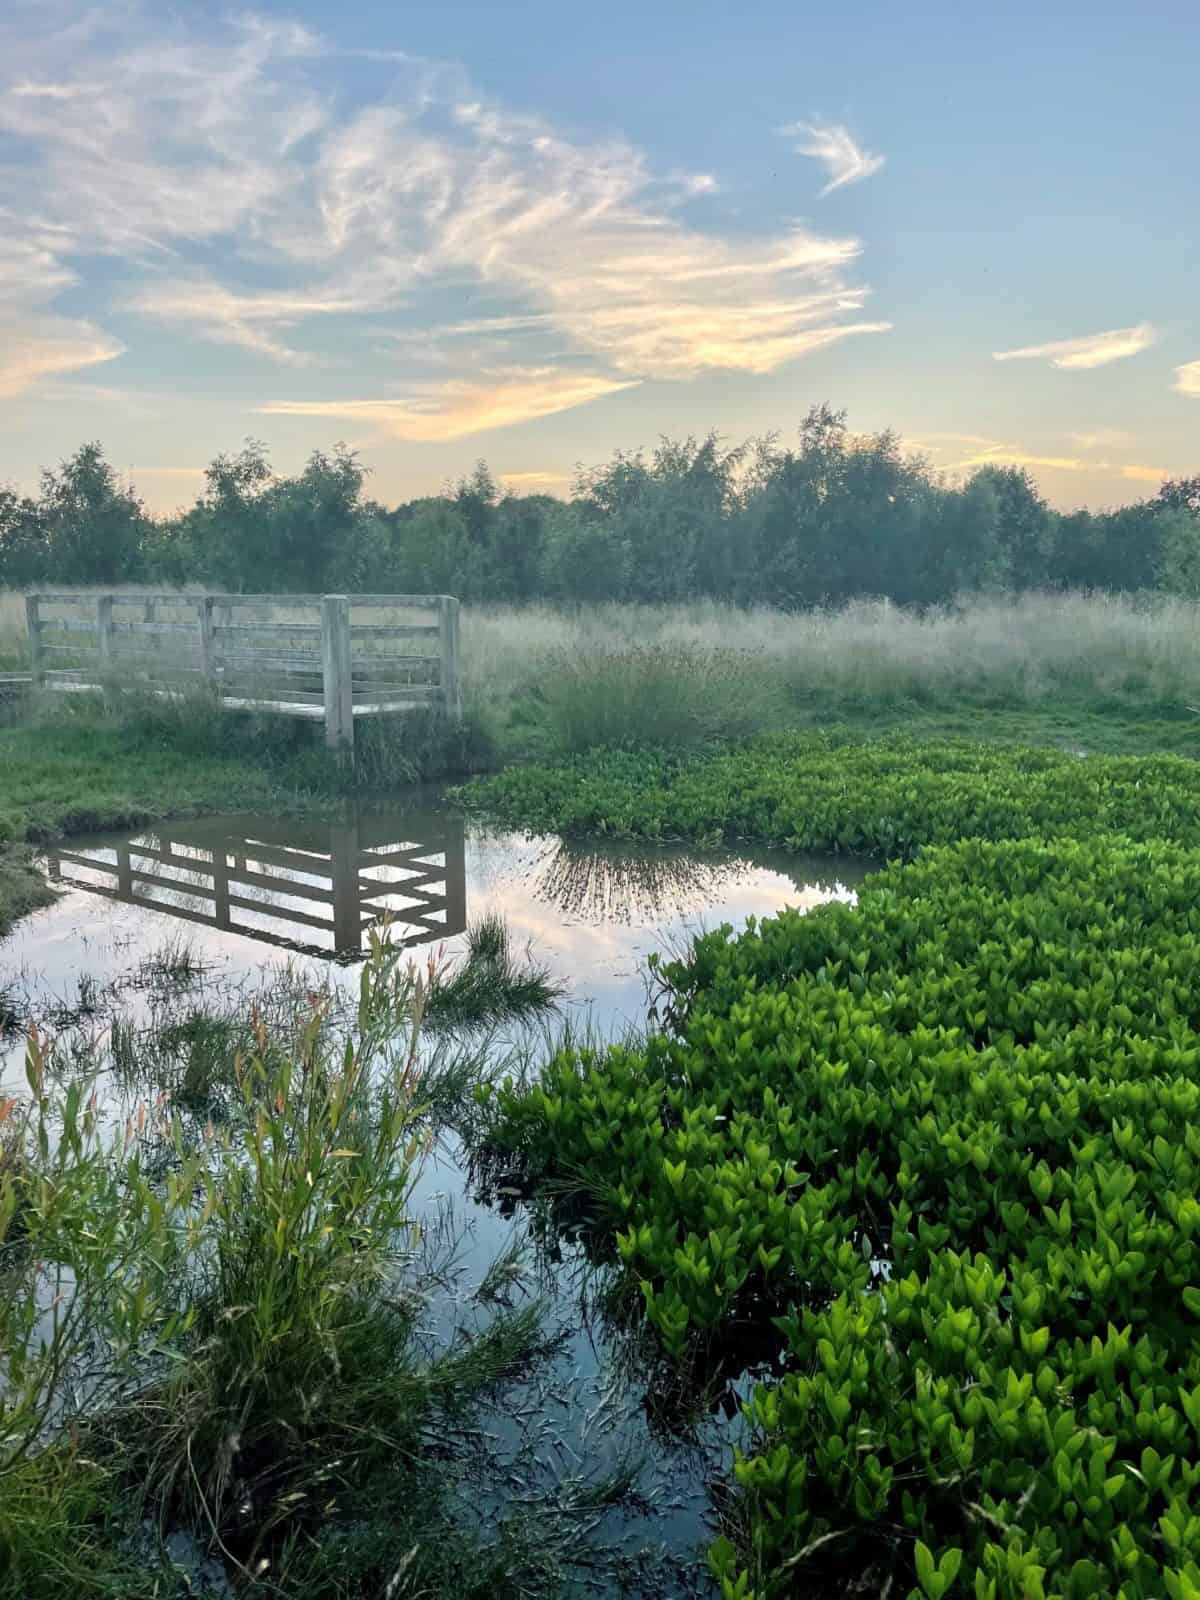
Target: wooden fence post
point(104, 630)
point(208, 661)
point(336, 671)
point(451, 682)
point(33, 623)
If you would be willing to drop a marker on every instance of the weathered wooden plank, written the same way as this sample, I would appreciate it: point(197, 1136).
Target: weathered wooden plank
point(267, 693)
point(385, 688)
point(253, 658)
point(415, 693)
point(66, 625)
point(308, 629)
point(34, 629)
point(394, 630)
point(126, 646)
point(152, 629)
point(335, 658)
point(282, 601)
point(451, 685)
point(408, 663)
point(123, 598)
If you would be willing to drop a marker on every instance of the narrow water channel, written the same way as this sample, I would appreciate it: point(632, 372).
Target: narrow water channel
point(245, 895)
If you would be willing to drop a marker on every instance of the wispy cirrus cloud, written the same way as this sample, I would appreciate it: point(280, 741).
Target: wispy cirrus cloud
point(438, 412)
point(835, 147)
point(964, 452)
point(1187, 379)
point(534, 482)
point(1103, 439)
point(36, 343)
point(1093, 350)
point(47, 347)
point(248, 194)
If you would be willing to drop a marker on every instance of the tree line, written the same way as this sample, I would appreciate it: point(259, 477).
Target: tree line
point(834, 517)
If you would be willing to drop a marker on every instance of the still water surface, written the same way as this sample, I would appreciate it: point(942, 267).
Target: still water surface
point(250, 893)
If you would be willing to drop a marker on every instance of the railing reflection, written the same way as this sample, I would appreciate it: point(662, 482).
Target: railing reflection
point(312, 887)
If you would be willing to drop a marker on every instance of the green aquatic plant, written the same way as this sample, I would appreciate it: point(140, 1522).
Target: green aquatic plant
point(937, 1155)
point(888, 797)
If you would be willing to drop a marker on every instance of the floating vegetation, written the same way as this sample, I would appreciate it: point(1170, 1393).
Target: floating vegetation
point(884, 798)
point(940, 1150)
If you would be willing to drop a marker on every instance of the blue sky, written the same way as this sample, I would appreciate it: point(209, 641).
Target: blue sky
point(534, 233)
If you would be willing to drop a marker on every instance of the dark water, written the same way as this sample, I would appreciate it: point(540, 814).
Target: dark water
point(248, 894)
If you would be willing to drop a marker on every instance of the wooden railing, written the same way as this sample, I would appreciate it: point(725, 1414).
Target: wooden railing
point(332, 657)
point(312, 887)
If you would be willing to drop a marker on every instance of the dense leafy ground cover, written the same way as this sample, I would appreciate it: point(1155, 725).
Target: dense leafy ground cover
point(935, 1154)
point(884, 797)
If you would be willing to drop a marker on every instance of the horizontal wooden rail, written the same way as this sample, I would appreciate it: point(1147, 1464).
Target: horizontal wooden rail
point(320, 660)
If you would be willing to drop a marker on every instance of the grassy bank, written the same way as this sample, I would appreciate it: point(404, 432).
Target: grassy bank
point(539, 679)
point(86, 763)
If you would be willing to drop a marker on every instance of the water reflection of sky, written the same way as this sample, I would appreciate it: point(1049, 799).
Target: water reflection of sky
point(591, 914)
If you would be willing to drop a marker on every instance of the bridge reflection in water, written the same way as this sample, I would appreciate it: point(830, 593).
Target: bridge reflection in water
point(311, 887)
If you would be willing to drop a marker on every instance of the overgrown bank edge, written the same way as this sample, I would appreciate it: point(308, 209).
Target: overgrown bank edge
point(888, 797)
point(90, 766)
point(930, 1158)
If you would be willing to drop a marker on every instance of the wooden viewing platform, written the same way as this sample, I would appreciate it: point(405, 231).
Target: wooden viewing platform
point(330, 657)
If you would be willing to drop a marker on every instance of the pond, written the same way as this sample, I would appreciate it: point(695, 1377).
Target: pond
point(221, 903)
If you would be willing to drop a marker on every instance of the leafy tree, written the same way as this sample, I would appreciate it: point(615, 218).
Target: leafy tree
point(1179, 560)
point(586, 557)
point(475, 500)
point(258, 533)
point(1024, 525)
point(434, 553)
point(966, 553)
point(94, 528)
point(1180, 494)
point(24, 545)
point(518, 545)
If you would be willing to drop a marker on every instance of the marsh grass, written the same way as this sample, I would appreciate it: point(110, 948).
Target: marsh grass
point(670, 695)
point(22, 887)
point(546, 680)
point(220, 1326)
point(490, 985)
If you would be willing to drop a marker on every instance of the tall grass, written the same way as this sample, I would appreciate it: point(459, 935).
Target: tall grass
point(541, 678)
point(1025, 649)
point(221, 1329)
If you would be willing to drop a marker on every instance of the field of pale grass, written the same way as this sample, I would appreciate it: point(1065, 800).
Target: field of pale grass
point(1031, 650)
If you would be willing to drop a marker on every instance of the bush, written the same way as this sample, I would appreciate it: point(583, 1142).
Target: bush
point(940, 1150)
